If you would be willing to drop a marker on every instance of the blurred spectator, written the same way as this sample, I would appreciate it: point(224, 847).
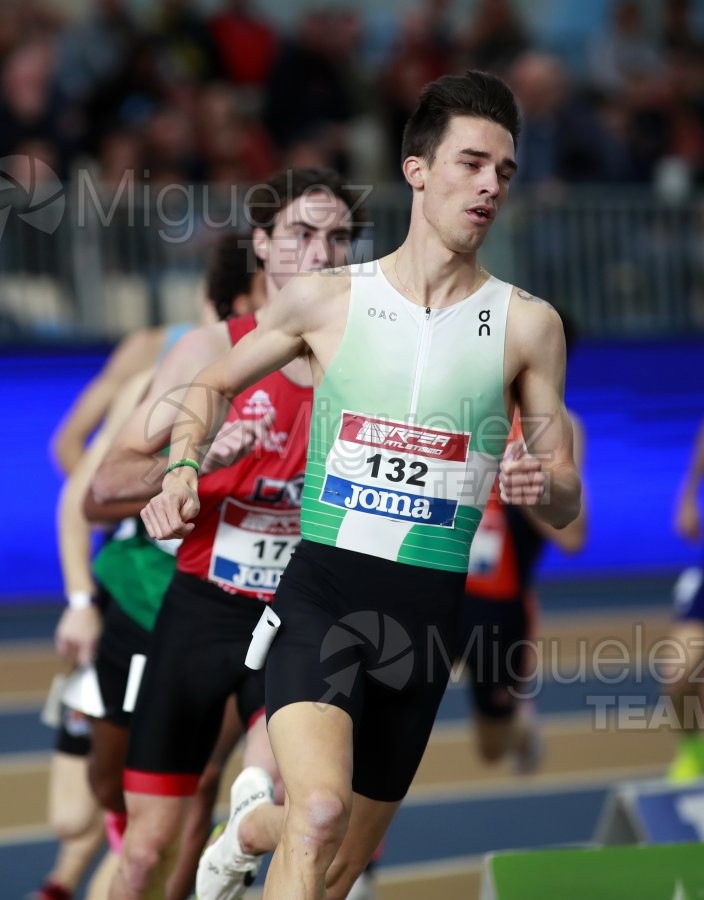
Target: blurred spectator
point(366, 135)
point(148, 81)
point(678, 30)
point(247, 44)
point(423, 53)
point(648, 98)
point(22, 20)
point(306, 105)
point(132, 99)
point(345, 42)
point(625, 50)
point(686, 75)
point(540, 84)
point(10, 30)
point(321, 98)
point(120, 152)
point(93, 51)
point(563, 138)
point(687, 133)
point(494, 37)
point(170, 153)
point(26, 111)
point(185, 39)
point(93, 56)
point(233, 148)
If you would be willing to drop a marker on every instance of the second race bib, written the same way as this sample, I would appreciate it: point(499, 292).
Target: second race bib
point(252, 547)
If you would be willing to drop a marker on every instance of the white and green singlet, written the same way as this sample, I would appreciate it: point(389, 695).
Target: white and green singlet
point(409, 424)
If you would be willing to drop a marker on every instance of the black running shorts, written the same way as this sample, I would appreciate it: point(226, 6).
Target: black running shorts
point(372, 637)
point(195, 661)
point(73, 734)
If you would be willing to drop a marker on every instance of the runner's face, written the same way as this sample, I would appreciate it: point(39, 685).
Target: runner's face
point(468, 181)
point(313, 232)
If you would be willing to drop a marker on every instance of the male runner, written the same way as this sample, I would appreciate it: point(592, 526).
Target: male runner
point(418, 360)
point(499, 615)
point(233, 558)
point(683, 683)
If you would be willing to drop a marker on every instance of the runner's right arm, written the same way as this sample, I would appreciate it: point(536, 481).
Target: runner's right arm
point(277, 339)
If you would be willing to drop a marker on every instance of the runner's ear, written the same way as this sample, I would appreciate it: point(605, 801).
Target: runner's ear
point(414, 172)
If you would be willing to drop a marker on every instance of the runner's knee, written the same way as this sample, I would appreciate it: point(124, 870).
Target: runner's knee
point(321, 818)
point(142, 855)
point(69, 824)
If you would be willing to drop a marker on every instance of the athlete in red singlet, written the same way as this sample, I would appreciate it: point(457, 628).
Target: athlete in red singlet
point(249, 516)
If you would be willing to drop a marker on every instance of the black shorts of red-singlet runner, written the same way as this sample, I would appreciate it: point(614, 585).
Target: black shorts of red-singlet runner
point(494, 646)
point(195, 661)
point(375, 638)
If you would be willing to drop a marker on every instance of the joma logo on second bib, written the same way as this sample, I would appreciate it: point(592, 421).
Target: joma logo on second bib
point(388, 502)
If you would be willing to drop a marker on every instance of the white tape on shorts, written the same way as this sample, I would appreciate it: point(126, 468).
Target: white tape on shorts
point(262, 636)
point(134, 679)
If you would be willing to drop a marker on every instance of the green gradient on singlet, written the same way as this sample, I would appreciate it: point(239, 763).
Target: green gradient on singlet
point(459, 388)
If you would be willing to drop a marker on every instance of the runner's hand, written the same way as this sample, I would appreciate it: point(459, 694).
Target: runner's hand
point(521, 476)
point(236, 440)
point(76, 636)
point(169, 514)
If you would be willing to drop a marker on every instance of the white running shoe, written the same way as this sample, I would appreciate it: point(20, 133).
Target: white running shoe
point(224, 871)
point(529, 751)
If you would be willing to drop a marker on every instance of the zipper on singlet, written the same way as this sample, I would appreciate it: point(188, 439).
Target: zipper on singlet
point(420, 362)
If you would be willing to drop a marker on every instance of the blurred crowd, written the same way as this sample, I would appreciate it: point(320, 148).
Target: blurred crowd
point(227, 96)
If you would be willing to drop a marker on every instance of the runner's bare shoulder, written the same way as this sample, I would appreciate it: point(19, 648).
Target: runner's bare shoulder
point(319, 296)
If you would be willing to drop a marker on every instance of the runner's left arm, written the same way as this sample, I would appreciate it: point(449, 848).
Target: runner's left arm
point(540, 471)
point(573, 537)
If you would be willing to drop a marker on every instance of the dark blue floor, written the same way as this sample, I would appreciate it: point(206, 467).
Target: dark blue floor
point(424, 830)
